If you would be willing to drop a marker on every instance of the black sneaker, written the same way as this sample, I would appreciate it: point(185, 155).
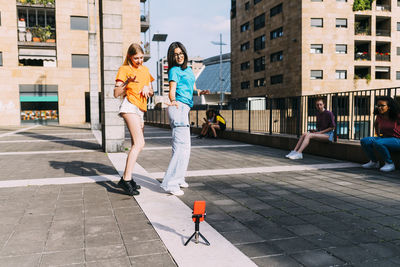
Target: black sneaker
point(135, 185)
point(128, 188)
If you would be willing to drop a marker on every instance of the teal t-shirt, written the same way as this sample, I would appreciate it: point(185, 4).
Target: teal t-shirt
point(184, 84)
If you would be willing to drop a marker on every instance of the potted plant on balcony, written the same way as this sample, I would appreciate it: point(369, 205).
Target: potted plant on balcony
point(39, 34)
point(28, 36)
point(49, 36)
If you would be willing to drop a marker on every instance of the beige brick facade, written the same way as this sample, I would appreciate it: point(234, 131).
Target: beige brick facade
point(72, 83)
point(298, 36)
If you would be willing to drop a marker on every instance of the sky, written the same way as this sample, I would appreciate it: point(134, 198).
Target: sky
point(194, 23)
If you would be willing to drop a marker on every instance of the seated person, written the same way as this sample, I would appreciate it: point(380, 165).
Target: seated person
point(213, 123)
point(387, 129)
point(206, 125)
point(325, 127)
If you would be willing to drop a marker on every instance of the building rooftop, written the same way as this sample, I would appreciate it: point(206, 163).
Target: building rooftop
point(209, 77)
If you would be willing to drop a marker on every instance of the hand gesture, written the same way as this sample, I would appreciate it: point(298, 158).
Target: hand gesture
point(145, 91)
point(204, 92)
point(173, 103)
point(130, 80)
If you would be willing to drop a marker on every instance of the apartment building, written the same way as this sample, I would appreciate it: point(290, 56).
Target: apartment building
point(45, 60)
point(302, 47)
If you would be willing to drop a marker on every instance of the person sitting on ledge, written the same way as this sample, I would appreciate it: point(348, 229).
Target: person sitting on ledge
point(206, 125)
point(387, 129)
point(325, 127)
point(215, 122)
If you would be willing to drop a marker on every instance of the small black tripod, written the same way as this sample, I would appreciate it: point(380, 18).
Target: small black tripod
point(197, 233)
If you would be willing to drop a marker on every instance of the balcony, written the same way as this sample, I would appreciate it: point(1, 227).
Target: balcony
point(147, 55)
point(383, 5)
point(362, 25)
point(382, 51)
point(362, 72)
point(382, 56)
point(362, 56)
point(36, 3)
point(362, 50)
point(383, 26)
point(144, 22)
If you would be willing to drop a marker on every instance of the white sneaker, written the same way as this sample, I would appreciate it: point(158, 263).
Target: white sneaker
point(184, 185)
point(296, 155)
point(371, 165)
point(177, 192)
point(290, 153)
point(388, 167)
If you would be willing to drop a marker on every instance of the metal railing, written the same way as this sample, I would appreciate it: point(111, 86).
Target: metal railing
point(353, 113)
point(383, 7)
point(362, 56)
point(380, 32)
point(382, 57)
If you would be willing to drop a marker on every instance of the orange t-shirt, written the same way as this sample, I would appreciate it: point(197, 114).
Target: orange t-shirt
point(143, 78)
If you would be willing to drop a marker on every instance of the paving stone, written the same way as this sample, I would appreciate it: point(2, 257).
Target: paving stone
point(140, 236)
point(276, 261)
point(103, 239)
point(156, 260)
point(317, 258)
point(259, 249)
point(245, 236)
point(145, 248)
point(120, 262)
point(305, 229)
point(327, 240)
point(105, 252)
point(292, 245)
point(352, 254)
point(31, 260)
point(63, 258)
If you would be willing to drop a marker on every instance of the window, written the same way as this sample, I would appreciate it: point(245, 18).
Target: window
point(398, 51)
point(259, 22)
point(341, 0)
point(259, 82)
point(341, 23)
point(245, 27)
point(316, 0)
point(397, 75)
point(398, 26)
point(79, 23)
point(317, 22)
point(1, 58)
point(245, 65)
point(341, 49)
point(277, 79)
point(259, 43)
point(80, 61)
point(278, 56)
point(398, 3)
point(233, 9)
point(275, 10)
point(256, 1)
point(276, 33)
point(341, 74)
point(0, 18)
point(316, 49)
point(245, 46)
point(316, 74)
point(259, 64)
point(245, 85)
point(247, 6)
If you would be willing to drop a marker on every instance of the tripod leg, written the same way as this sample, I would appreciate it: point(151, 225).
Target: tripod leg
point(202, 236)
point(187, 242)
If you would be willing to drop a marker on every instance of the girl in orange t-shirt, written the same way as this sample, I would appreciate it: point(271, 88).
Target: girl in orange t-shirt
point(133, 82)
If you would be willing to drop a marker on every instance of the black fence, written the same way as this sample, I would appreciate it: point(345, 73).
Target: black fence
point(296, 115)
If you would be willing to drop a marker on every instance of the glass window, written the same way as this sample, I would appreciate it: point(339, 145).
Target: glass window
point(398, 51)
point(276, 33)
point(245, 46)
point(80, 61)
point(341, 23)
point(317, 49)
point(341, 74)
point(316, 74)
point(341, 49)
point(275, 10)
point(398, 26)
point(259, 82)
point(259, 64)
point(245, 65)
point(259, 22)
point(317, 22)
point(1, 58)
point(79, 23)
point(316, 0)
point(247, 6)
point(245, 85)
point(397, 75)
point(278, 56)
point(277, 79)
point(259, 43)
point(341, 0)
point(245, 27)
point(257, 1)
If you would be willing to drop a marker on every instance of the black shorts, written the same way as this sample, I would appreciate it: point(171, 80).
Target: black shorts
point(222, 126)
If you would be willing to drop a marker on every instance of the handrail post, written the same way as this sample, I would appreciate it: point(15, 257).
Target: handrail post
point(233, 116)
point(270, 116)
point(336, 109)
point(298, 121)
point(249, 116)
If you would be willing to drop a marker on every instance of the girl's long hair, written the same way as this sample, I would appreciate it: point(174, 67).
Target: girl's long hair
point(171, 55)
point(132, 50)
point(394, 109)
